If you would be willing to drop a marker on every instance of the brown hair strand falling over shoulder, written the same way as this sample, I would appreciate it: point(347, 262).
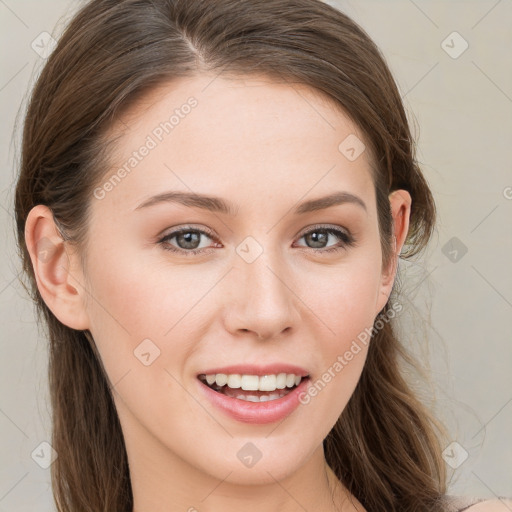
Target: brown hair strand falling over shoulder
point(384, 447)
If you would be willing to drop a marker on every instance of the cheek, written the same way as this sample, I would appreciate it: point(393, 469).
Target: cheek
point(344, 298)
point(146, 316)
point(346, 305)
point(143, 296)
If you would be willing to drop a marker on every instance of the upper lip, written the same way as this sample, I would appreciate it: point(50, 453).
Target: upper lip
point(251, 369)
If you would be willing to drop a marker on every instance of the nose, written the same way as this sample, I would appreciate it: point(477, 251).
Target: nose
point(262, 299)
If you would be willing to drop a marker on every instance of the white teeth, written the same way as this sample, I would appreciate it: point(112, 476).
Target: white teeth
point(263, 398)
point(281, 381)
point(254, 382)
point(267, 383)
point(250, 382)
point(234, 381)
point(290, 380)
point(221, 379)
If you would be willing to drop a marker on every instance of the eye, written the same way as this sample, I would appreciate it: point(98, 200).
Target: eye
point(318, 236)
point(188, 240)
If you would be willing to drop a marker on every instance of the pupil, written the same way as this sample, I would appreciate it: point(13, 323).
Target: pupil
point(187, 237)
point(317, 236)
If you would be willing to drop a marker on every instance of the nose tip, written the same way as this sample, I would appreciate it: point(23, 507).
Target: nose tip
point(262, 303)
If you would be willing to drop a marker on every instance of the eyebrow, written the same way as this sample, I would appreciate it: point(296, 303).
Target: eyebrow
point(219, 205)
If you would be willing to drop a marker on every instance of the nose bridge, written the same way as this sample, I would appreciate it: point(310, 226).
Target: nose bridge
point(263, 301)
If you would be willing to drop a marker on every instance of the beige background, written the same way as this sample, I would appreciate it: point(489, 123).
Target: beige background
point(461, 109)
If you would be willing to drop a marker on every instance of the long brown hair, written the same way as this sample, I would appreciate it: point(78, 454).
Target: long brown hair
point(384, 447)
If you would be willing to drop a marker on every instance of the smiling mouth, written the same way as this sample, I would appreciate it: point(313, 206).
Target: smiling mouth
point(234, 386)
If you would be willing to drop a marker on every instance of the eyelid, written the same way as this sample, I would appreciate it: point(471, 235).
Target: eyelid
point(184, 228)
point(323, 226)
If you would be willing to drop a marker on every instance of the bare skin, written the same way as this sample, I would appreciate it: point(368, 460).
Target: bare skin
point(265, 147)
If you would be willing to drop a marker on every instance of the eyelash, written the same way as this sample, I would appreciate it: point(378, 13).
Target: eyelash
point(347, 240)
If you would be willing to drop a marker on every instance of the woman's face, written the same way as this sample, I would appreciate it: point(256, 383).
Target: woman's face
point(260, 287)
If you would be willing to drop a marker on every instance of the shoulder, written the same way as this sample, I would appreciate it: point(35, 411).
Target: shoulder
point(496, 505)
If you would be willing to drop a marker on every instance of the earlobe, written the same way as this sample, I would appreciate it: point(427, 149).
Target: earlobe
point(400, 203)
point(54, 267)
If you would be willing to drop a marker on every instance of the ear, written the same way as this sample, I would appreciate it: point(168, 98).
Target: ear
point(56, 269)
point(400, 202)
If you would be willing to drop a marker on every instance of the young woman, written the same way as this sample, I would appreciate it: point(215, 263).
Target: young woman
point(212, 201)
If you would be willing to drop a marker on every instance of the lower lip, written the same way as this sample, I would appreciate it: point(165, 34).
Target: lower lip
point(256, 412)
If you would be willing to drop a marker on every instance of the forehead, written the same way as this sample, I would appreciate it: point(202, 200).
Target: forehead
point(246, 137)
